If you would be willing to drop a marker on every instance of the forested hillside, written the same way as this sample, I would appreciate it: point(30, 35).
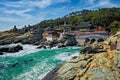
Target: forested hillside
point(107, 17)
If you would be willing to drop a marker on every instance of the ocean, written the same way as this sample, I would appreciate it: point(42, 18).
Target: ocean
point(32, 63)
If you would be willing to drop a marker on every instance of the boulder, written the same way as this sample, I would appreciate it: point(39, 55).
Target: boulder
point(74, 57)
point(41, 46)
point(60, 46)
point(4, 49)
point(71, 41)
point(67, 40)
point(15, 49)
point(15, 64)
point(1, 53)
point(12, 49)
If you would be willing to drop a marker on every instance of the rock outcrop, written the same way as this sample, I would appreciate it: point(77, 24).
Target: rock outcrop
point(11, 49)
point(67, 40)
point(105, 65)
point(17, 37)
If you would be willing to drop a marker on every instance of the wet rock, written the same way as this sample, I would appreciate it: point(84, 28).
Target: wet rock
point(74, 57)
point(52, 75)
point(60, 46)
point(15, 49)
point(1, 53)
point(2, 66)
point(41, 46)
point(15, 64)
point(11, 49)
point(27, 61)
point(4, 49)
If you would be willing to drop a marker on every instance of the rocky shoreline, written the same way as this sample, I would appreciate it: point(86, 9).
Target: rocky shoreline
point(95, 62)
point(12, 49)
point(66, 40)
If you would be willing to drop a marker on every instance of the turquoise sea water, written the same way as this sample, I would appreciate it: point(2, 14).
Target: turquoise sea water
point(32, 63)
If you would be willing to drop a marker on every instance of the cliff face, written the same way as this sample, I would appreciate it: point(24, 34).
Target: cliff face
point(103, 65)
point(14, 37)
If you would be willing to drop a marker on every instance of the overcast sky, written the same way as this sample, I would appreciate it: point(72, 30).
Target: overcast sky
point(24, 12)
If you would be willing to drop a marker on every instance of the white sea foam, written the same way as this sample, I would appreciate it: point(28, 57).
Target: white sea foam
point(36, 73)
point(66, 56)
point(27, 49)
point(40, 69)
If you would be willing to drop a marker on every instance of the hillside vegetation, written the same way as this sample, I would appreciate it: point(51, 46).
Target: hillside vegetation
point(107, 17)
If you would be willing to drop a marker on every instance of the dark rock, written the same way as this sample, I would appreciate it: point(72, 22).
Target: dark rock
point(74, 57)
point(90, 50)
point(4, 49)
point(30, 60)
point(52, 75)
point(71, 41)
point(19, 47)
point(1, 67)
point(60, 46)
point(42, 46)
point(87, 40)
point(92, 41)
point(100, 40)
point(15, 49)
point(26, 61)
point(11, 49)
point(67, 40)
point(86, 50)
point(1, 53)
point(25, 41)
point(14, 65)
point(37, 43)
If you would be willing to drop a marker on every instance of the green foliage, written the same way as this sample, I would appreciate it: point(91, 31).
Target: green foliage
point(102, 17)
point(115, 26)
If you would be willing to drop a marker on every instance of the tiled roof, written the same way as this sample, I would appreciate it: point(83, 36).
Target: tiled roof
point(84, 24)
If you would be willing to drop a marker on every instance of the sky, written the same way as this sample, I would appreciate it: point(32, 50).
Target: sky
point(25, 12)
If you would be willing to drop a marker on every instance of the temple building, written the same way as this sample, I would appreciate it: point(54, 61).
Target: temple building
point(99, 29)
point(83, 26)
point(50, 35)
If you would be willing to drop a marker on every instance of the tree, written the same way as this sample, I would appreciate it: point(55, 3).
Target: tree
point(115, 26)
point(14, 29)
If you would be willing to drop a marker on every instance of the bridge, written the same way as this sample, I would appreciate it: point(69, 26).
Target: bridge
point(95, 37)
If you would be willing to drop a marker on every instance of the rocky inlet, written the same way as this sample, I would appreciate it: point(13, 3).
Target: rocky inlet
point(95, 62)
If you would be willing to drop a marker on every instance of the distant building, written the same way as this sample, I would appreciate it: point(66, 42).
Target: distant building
point(99, 29)
point(35, 33)
point(83, 26)
point(50, 35)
